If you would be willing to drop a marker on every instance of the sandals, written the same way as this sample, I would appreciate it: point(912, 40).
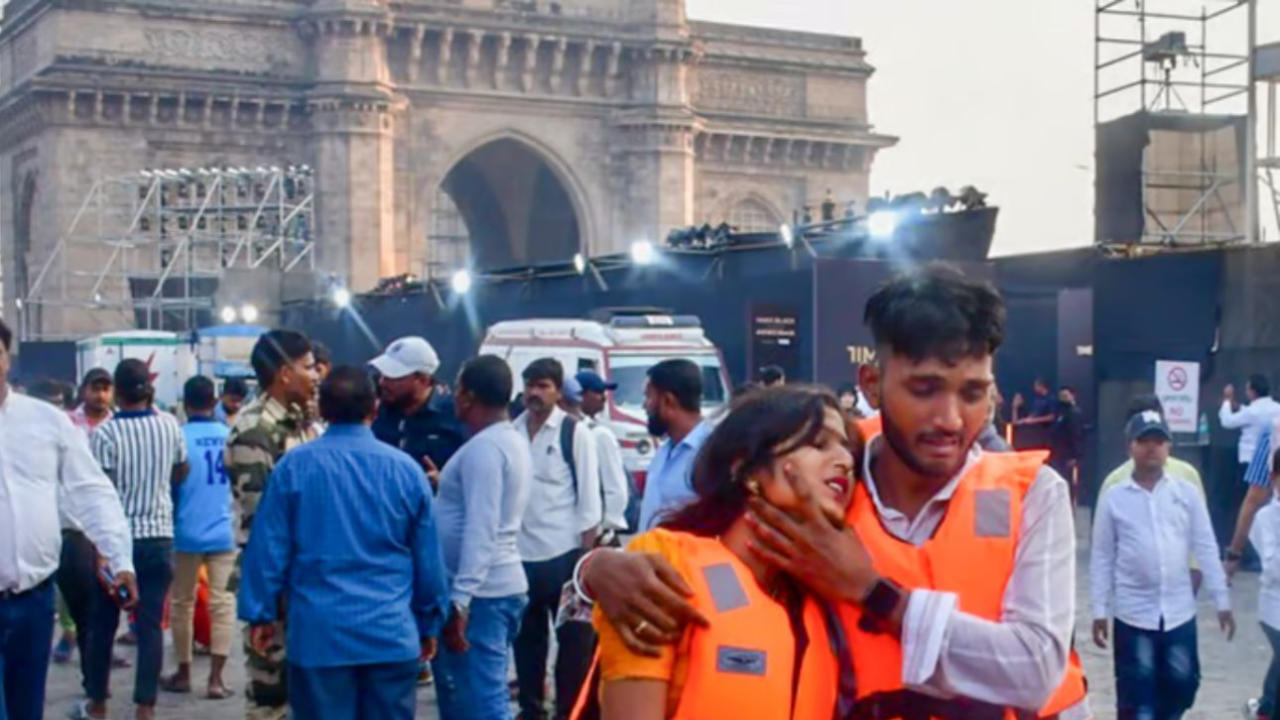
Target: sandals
point(174, 685)
point(221, 692)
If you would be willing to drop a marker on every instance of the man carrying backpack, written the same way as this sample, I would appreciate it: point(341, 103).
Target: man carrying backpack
point(562, 520)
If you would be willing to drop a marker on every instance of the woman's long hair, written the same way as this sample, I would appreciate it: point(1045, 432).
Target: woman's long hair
point(762, 426)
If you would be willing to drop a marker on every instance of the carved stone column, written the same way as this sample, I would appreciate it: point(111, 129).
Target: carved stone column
point(561, 46)
point(584, 68)
point(445, 56)
point(415, 52)
point(530, 62)
point(502, 60)
point(475, 43)
point(354, 114)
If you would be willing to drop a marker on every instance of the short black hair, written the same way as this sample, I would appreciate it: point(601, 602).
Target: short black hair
point(544, 369)
point(274, 350)
point(236, 387)
point(846, 388)
point(133, 381)
point(321, 353)
point(936, 311)
point(1260, 384)
point(770, 374)
point(488, 379)
point(347, 396)
point(198, 394)
point(1068, 388)
point(682, 378)
point(6, 336)
point(1144, 403)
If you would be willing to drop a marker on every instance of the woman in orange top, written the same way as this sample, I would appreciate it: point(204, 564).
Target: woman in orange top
point(769, 651)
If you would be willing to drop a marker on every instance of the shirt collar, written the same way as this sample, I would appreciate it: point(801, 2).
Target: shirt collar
point(202, 419)
point(556, 417)
point(876, 446)
point(1130, 482)
point(696, 436)
point(349, 430)
point(127, 414)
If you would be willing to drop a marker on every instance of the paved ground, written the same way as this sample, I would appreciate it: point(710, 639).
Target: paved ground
point(1232, 672)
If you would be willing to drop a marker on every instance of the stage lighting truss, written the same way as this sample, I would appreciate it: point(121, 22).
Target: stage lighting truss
point(166, 224)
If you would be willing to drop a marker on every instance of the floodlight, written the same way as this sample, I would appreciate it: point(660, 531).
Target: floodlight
point(642, 252)
point(249, 313)
point(882, 223)
point(461, 282)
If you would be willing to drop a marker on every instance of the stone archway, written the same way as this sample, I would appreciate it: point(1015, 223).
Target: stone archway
point(502, 205)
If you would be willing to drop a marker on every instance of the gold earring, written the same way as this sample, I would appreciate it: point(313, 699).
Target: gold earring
point(753, 487)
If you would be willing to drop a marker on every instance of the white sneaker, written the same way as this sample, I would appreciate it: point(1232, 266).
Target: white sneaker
point(1251, 709)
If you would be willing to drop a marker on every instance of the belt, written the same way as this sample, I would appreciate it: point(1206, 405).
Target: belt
point(15, 594)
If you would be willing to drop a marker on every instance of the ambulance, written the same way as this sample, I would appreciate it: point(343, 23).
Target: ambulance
point(621, 346)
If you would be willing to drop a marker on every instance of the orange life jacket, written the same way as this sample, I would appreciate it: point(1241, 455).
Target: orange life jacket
point(869, 427)
point(742, 665)
point(970, 554)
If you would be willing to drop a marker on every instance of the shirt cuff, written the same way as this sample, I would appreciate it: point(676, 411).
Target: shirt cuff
point(924, 630)
point(463, 599)
point(1223, 601)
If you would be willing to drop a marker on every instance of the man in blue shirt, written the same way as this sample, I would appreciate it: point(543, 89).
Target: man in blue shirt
point(202, 536)
point(345, 533)
point(673, 402)
point(484, 490)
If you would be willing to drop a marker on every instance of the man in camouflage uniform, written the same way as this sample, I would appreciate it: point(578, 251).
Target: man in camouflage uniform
point(274, 423)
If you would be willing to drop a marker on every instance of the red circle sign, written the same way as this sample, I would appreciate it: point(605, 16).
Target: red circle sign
point(1177, 378)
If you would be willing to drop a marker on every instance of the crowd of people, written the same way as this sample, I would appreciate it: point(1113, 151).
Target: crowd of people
point(874, 553)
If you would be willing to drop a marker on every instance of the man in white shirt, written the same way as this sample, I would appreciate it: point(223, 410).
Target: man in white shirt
point(584, 396)
point(562, 520)
point(1144, 532)
point(44, 463)
point(1250, 419)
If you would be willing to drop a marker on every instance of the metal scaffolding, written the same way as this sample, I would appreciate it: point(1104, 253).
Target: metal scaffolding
point(1153, 57)
point(152, 245)
point(1267, 72)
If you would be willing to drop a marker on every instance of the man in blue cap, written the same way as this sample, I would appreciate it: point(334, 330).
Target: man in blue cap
point(1145, 530)
point(592, 400)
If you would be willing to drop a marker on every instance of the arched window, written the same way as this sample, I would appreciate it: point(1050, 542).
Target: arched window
point(751, 215)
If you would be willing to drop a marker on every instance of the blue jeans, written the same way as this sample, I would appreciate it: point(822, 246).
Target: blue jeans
point(26, 631)
point(1157, 671)
point(153, 562)
point(386, 691)
point(473, 685)
point(1271, 684)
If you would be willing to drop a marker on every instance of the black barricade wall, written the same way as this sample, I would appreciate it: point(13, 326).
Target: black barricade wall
point(720, 293)
point(41, 360)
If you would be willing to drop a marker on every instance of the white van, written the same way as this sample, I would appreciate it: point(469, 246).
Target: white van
point(621, 348)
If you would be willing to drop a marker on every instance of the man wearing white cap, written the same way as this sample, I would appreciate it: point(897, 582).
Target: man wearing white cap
point(414, 416)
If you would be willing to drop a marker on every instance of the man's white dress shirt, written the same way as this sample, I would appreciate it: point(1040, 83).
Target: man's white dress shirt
point(1251, 420)
point(1019, 661)
point(613, 476)
point(1142, 542)
point(45, 463)
point(1265, 536)
point(558, 513)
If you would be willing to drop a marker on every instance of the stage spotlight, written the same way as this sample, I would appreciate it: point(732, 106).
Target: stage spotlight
point(461, 282)
point(642, 252)
point(785, 233)
point(228, 314)
point(579, 263)
point(341, 297)
point(882, 223)
point(249, 313)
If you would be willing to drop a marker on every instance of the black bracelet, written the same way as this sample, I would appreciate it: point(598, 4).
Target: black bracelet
point(1232, 556)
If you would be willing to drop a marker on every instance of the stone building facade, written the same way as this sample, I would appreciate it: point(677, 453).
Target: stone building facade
point(440, 132)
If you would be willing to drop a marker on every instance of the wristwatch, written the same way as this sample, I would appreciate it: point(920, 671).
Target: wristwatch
point(878, 605)
point(1232, 555)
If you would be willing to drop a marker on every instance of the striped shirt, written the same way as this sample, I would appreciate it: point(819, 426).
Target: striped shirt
point(1258, 473)
point(138, 450)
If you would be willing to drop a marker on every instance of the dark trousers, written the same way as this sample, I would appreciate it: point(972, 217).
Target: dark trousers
point(77, 581)
point(1271, 684)
point(152, 559)
point(26, 631)
point(385, 691)
point(576, 644)
point(1157, 671)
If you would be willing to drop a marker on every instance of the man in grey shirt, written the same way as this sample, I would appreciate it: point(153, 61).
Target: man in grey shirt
point(484, 490)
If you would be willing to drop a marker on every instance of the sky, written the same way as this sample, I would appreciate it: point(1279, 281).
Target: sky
point(992, 93)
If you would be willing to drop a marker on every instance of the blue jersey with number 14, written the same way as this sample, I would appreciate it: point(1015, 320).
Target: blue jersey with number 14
point(202, 502)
